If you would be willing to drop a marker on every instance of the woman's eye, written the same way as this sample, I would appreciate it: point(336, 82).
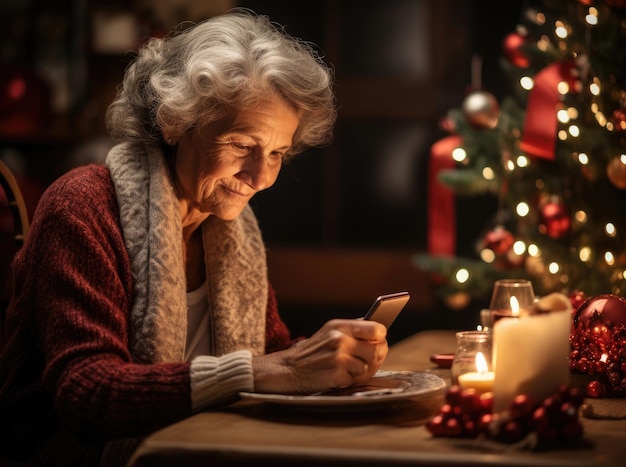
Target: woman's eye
point(242, 146)
point(277, 156)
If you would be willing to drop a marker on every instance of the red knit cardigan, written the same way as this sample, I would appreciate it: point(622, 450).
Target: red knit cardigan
point(67, 380)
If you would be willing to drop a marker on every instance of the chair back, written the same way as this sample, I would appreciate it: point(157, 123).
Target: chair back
point(21, 226)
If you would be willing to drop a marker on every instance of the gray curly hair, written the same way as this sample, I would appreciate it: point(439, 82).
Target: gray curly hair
point(228, 62)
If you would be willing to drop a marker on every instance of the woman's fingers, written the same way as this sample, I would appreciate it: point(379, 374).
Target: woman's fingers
point(361, 347)
point(341, 353)
point(359, 329)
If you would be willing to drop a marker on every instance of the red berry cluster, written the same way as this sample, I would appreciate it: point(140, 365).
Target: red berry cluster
point(554, 419)
point(600, 351)
point(467, 414)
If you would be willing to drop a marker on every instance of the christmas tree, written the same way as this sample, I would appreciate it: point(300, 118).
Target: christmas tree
point(553, 154)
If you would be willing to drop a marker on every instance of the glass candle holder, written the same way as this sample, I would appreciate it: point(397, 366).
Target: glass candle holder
point(468, 344)
point(511, 298)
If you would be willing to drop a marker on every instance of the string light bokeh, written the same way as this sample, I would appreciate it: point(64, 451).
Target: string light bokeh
point(559, 222)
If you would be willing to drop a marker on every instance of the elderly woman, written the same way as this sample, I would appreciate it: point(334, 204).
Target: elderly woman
point(142, 293)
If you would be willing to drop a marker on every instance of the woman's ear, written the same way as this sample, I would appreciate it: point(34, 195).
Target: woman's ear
point(169, 139)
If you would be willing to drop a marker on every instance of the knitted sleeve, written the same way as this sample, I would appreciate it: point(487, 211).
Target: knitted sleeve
point(218, 380)
point(74, 289)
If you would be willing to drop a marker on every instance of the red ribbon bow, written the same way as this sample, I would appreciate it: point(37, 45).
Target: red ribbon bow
point(540, 124)
point(441, 203)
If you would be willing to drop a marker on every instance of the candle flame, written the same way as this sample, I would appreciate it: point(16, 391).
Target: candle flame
point(481, 363)
point(604, 358)
point(514, 305)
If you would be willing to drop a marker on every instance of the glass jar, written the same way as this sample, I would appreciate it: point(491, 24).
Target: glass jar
point(511, 298)
point(468, 344)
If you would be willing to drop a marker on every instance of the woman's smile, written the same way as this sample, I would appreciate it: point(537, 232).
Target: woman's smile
point(237, 193)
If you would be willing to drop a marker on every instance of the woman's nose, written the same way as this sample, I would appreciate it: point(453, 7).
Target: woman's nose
point(256, 172)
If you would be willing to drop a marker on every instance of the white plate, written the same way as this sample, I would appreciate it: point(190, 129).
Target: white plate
point(383, 388)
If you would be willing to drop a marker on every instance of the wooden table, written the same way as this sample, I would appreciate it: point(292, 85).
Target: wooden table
point(253, 433)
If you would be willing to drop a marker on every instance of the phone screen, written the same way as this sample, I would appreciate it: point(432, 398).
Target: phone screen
point(386, 308)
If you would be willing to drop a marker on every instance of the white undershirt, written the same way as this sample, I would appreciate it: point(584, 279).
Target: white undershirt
point(198, 342)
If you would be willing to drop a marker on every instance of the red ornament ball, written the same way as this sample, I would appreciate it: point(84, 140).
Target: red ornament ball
point(481, 110)
point(499, 240)
point(616, 172)
point(619, 120)
point(511, 49)
point(556, 221)
point(607, 309)
point(598, 344)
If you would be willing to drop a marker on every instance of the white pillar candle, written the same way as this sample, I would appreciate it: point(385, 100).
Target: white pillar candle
point(531, 353)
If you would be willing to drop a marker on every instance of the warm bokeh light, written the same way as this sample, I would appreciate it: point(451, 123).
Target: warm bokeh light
point(519, 247)
point(585, 254)
point(610, 229)
point(462, 275)
point(581, 217)
point(522, 161)
point(544, 43)
point(560, 30)
point(591, 19)
point(527, 83)
point(459, 154)
point(540, 18)
point(609, 258)
point(510, 166)
point(487, 255)
point(522, 209)
point(594, 88)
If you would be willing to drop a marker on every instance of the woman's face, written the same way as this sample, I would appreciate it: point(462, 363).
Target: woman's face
point(219, 167)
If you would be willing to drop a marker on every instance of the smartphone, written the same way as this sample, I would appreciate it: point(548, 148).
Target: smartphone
point(386, 308)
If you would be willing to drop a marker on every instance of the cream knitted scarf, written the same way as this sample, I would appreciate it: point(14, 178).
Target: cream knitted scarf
point(235, 261)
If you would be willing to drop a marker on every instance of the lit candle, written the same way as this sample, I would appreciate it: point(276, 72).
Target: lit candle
point(514, 312)
point(531, 353)
point(514, 306)
point(481, 379)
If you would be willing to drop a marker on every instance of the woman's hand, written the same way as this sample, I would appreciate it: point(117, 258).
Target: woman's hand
point(342, 353)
